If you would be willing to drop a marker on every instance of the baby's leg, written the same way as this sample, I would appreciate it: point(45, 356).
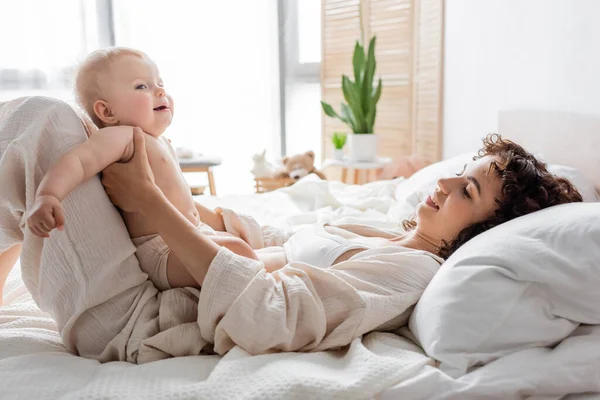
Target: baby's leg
point(210, 217)
point(224, 234)
point(272, 257)
point(178, 275)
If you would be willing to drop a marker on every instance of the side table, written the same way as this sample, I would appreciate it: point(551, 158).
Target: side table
point(201, 164)
point(371, 168)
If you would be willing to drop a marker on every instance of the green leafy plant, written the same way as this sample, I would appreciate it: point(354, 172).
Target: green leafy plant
point(339, 140)
point(361, 97)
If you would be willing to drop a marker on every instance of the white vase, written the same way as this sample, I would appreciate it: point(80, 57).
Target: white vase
point(338, 154)
point(362, 146)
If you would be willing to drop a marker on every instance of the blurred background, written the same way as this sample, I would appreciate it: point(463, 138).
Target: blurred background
point(248, 75)
point(222, 61)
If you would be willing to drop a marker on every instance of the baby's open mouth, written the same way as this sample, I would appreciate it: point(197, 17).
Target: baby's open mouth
point(160, 108)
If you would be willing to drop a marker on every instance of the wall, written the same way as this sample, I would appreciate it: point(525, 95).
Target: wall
point(506, 54)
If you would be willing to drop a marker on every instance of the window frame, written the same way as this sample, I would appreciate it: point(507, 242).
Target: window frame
point(298, 71)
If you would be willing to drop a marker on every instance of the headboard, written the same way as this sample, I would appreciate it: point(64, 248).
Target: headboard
point(559, 137)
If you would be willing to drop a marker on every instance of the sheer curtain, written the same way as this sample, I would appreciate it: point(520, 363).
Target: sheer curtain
point(302, 27)
point(219, 60)
point(42, 42)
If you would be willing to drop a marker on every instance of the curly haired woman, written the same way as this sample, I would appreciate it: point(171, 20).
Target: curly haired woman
point(322, 286)
point(316, 289)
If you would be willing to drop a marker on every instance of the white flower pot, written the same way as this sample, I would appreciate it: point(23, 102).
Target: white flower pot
point(362, 146)
point(338, 154)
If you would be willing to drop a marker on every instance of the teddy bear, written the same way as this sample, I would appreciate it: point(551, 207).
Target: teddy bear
point(299, 166)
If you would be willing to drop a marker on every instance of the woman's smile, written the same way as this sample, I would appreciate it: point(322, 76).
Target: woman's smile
point(429, 201)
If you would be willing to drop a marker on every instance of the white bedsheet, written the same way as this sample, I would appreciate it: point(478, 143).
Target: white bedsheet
point(34, 364)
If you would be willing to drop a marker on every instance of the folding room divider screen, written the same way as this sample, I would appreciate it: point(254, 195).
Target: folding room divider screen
point(409, 55)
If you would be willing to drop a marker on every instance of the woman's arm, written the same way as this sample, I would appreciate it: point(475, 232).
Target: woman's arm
point(131, 187)
point(305, 308)
point(194, 249)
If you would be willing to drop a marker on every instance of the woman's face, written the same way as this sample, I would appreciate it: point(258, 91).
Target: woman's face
point(460, 201)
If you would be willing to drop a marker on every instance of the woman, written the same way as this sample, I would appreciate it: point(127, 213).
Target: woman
point(502, 183)
point(88, 278)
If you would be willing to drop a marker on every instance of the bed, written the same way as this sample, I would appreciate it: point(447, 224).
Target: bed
point(34, 364)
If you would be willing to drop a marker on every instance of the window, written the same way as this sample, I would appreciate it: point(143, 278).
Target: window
point(220, 60)
point(309, 31)
point(52, 37)
point(302, 47)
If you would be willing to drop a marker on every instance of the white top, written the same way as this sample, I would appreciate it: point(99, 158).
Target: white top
point(379, 162)
point(315, 246)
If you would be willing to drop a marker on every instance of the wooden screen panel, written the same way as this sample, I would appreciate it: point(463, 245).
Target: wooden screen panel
point(341, 29)
point(428, 79)
point(391, 22)
point(409, 61)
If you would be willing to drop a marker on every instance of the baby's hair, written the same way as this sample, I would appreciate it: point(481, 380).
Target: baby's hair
point(87, 83)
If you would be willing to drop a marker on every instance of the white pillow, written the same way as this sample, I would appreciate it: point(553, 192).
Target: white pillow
point(586, 188)
point(528, 282)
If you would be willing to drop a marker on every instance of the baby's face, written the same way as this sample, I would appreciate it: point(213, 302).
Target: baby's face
point(135, 93)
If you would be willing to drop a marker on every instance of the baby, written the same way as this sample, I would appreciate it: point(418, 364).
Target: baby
point(121, 88)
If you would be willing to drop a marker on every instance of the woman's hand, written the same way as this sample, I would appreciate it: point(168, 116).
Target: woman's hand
point(130, 186)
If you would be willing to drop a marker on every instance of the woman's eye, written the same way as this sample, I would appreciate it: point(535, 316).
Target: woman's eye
point(466, 193)
point(141, 87)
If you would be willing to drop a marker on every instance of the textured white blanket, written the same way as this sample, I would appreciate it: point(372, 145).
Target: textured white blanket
point(37, 366)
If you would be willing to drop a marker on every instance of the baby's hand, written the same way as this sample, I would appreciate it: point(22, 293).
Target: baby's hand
point(46, 214)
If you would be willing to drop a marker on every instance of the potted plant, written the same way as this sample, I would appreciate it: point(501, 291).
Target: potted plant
point(339, 140)
point(361, 108)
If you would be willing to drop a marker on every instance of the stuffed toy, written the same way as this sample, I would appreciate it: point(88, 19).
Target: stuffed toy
point(262, 168)
point(299, 166)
